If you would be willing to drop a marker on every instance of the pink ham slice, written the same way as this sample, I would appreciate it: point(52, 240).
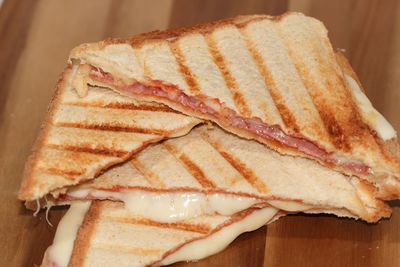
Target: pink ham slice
point(210, 106)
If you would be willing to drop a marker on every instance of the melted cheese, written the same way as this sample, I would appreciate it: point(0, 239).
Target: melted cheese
point(289, 205)
point(370, 115)
point(219, 240)
point(61, 249)
point(171, 207)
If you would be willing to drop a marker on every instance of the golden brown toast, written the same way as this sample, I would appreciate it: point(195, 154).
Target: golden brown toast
point(210, 165)
point(272, 79)
point(83, 136)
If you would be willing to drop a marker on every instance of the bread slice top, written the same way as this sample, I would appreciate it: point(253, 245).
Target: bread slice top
point(272, 79)
point(83, 136)
point(212, 163)
point(112, 235)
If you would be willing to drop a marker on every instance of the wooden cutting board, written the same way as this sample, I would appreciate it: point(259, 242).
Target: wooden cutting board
point(36, 37)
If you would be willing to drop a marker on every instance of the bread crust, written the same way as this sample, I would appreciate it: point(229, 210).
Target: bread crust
point(28, 181)
point(157, 35)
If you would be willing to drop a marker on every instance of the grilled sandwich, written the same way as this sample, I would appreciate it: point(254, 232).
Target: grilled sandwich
point(292, 113)
point(210, 171)
point(276, 80)
point(105, 233)
point(83, 136)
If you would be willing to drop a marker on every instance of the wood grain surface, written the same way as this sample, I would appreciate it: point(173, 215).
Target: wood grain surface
point(36, 37)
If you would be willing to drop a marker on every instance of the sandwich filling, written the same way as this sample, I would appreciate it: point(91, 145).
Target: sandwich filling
point(59, 253)
point(214, 109)
point(169, 207)
point(369, 113)
point(219, 240)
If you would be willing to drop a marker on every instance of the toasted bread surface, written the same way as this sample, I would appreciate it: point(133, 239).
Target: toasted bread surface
point(212, 161)
point(280, 70)
point(83, 136)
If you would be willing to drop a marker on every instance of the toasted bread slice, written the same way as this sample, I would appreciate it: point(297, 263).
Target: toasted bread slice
point(83, 136)
point(112, 235)
point(210, 168)
point(272, 79)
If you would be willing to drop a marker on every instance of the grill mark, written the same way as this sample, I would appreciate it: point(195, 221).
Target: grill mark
point(253, 20)
point(219, 61)
point(230, 180)
point(354, 126)
point(332, 126)
point(129, 250)
point(247, 173)
point(203, 28)
point(335, 132)
point(113, 127)
point(196, 172)
point(198, 228)
point(347, 70)
point(187, 74)
point(334, 129)
point(86, 148)
point(119, 105)
point(357, 127)
point(287, 117)
point(234, 218)
point(67, 174)
point(142, 63)
point(189, 165)
point(150, 176)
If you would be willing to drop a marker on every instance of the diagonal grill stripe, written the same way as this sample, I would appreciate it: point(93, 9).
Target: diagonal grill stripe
point(88, 149)
point(114, 127)
point(286, 115)
point(150, 176)
point(190, 166)
point(198, 228)
point(129, 250)
point(189, 78)
point(67, 174)
point(247, 173)
point(121, 105)
point(230, 82)
point(332, 126)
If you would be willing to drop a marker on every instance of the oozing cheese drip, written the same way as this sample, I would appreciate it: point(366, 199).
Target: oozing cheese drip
point(221, 239)
point(373, 118)
point(61, 249)
point(171, 207)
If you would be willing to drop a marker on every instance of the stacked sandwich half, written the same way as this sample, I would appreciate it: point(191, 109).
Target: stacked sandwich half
point(169, 144)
